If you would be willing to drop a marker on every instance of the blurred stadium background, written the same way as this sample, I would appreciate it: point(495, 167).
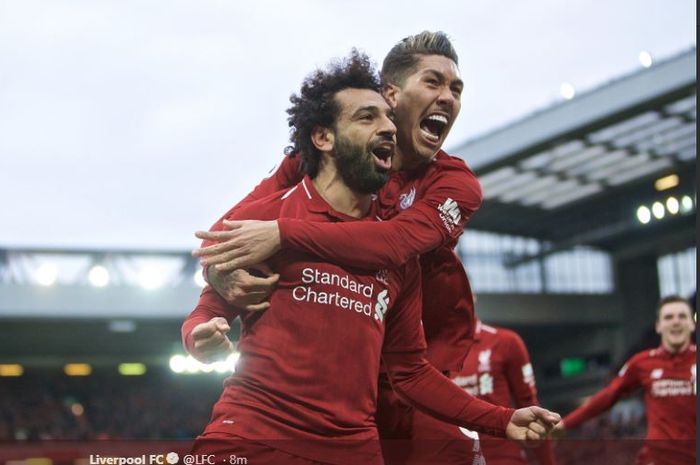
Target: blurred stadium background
point(589, 217)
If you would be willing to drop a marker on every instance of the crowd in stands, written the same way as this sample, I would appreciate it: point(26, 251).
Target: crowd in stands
point(41, 407)
point(166, 406)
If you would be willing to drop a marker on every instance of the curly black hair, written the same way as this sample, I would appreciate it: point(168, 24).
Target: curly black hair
point(315, 105)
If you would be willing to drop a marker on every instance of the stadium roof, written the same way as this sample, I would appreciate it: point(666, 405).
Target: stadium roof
point(575, 173)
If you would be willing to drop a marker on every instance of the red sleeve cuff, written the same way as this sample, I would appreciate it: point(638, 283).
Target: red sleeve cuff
point(506, 414)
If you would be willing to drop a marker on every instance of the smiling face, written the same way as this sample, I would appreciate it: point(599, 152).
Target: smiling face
point(675, 325)
point(426, 105)
point(364, 139)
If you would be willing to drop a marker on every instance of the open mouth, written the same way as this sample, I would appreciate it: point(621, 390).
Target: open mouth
point(382, 154)
point(433, 126)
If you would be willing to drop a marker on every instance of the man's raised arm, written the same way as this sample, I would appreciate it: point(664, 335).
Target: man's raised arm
point(204, 331)
point(420, 384)
point(438, 217)
point(623, 384)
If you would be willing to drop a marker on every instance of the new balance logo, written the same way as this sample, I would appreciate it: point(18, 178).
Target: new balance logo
point(449, 214)
point(381, 306)
point(383, 277)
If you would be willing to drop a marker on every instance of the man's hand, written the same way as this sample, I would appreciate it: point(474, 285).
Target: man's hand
point(531, 424)
point(559, 430)
point(243, 244)
point(210, 340)
point(242, 289)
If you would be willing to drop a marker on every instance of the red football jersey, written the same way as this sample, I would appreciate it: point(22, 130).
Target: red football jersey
point(306, 382)
point(498, 370)
point(429, 207)
point(669, 384)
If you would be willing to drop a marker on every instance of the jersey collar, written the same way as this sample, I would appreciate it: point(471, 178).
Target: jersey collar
point(661, 350)
point(317, 204)
point(477, 331)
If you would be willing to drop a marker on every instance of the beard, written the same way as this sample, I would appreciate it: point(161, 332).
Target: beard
point(356, 167)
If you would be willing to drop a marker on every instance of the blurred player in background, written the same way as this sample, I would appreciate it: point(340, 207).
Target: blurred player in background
point(667, 375)
point(498, 370)
point(305, 387)
point(430, 196)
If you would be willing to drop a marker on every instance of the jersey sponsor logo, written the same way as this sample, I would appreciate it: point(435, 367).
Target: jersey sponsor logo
point(693, 379)
point(382, 305)
point(484, 360)
point(406, 199)
point(315, 276)
point(464, 381)
point(656, 373)
point(672, 388)
point(528, 374)
point(352, 294)
point(449, 214)
point(476, 385)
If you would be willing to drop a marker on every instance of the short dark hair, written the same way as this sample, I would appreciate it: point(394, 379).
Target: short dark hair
point(315, 105)
point(402, 59)
point(670, 299)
